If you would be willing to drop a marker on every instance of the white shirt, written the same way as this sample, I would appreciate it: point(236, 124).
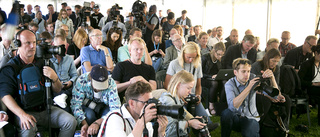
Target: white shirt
point(213, 41)
point(115, 125)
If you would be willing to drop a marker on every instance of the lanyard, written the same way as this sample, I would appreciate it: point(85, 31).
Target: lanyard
point(154, 45)
point(150, 18)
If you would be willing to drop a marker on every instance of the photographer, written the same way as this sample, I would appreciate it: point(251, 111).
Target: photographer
point(116, 21)
point(93, 96)
point(242, 114)
point(179, 88)
point(29, 117)
point(151, 22)
point(135, 115)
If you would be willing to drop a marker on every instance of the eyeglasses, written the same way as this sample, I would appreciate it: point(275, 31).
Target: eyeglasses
point(177, 40)
point(219, 54)
point(143, 102)
point(310, 44)
point(96, 35)
point(68, 9)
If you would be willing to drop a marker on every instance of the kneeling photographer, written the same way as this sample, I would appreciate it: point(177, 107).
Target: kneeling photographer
point(271, 101)
point(93, 96)
point(179, 88)
point(135, 116)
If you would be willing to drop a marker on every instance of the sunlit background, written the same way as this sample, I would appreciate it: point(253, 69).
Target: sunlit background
point(266, 18)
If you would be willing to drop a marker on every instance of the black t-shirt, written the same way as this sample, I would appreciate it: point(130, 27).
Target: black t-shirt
point(26, 19)
point(126, 70)
point(74, 50)
point(150, 46)
point(94, 20)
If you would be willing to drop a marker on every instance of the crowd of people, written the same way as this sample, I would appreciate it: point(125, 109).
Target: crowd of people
point(104, 77)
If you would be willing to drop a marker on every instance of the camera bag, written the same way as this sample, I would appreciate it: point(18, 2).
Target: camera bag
point(30, 84)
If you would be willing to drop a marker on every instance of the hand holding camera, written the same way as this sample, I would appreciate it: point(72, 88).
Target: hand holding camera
point(195, 123)
point(149, 112)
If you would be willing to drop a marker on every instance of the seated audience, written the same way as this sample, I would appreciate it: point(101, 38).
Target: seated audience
point(79, 40)
point(28, 117)
point(285, 45)
point(130, 71)
point(67, 73)
point(310, 77)
point(272, 43)
point(93, 87)
point(202, 42)
point(233, 39)
point(211, 64)
point(34, 28)
point(137, 113)
point(257, 45)
point(242, 50)
point(64, 19)
point(297, 56)
point(113, 42)
point(95, 53)
point(180, 32)
point(169, 41)
point(218, 38)
point(50, 29)
point(179, 88)
point(40, 21)
point(173, 51)
point(156, 49)
point(124, 54)
point(189, 60)
point(194, 37)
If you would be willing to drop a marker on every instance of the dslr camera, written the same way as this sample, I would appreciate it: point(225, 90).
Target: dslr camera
point(96, 107)
point(45, 50)
point(204, 132)
point(192, 102)
point(174, 111)
point(264, 86)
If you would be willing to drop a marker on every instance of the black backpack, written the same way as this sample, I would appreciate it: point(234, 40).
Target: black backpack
point(30, 84)
point(289, 81)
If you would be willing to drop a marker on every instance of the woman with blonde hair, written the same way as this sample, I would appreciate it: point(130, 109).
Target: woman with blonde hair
point(179, 88)
point(64, 19)
point(79, 40)
point(190, 61)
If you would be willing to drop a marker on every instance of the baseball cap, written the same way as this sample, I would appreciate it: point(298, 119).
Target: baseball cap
point(96, 6)
point(99, 75)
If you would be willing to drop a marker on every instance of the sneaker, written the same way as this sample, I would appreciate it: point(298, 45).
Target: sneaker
point(213, 126)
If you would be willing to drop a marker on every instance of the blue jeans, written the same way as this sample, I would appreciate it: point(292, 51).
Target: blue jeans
point(156, 64)
point(59, 119)
point(231, 121)
point(91, 116)
point(200, 111)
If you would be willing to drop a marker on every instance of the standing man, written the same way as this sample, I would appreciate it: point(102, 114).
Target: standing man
point(285, 45)
point(242, 50)
point(29, 11)
point(36, 10)
point(242, 114)
point(52, 15)
point(64, 5)
point(29, 118)
point(95, 53)
point(130, 71)
point(151, 22)
point(184, 22)
point(24, 18)
point(94, 87)
point(95, 17)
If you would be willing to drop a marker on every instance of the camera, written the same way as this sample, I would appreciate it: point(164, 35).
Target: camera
point(174, 111)
point(84, 13)
point(137, 12)
point(192, 101)
point(264, 86)
point(114, 12)
point(96, 107)
point(204, 132)
point(44, 50)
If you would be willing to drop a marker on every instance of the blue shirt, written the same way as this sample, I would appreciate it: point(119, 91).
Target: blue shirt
point(66, 70)
point(88, 53)
point(83, 89)
point(233, 88)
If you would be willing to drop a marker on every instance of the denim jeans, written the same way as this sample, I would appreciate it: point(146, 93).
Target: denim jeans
point(92, 116)
point(200, 111)
point(59, 119)
point(231, 121)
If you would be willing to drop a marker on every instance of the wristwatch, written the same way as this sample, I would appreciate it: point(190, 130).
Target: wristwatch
point(107, 55)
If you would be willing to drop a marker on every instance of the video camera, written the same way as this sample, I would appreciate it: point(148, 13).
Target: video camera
point(137, 12)
point(45, 51)
point(174, 111)
point(114, 12)
point(264, 86)
point(84, 13)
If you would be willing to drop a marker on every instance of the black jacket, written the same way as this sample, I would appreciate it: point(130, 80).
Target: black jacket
point(188, 23)
point(295, 57)
point(306, 76)
point(208, 67)
point(233, 53)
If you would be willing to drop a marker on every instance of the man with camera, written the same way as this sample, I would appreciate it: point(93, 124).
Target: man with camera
point(242, 114)
point(151, 22)
point(93, 96)
point(29, 117)
point(134, 116)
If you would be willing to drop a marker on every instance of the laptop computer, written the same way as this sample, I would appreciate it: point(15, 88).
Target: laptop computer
point(224, 74)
